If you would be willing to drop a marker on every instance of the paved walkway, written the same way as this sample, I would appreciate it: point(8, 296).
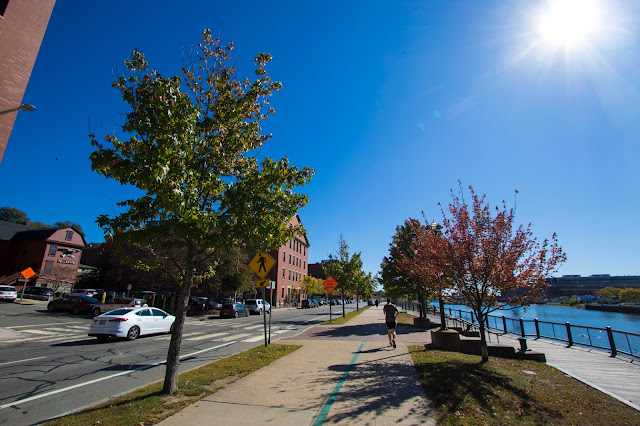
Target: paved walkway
point(341, 375)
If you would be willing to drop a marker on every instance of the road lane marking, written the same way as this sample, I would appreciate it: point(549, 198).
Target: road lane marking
point(21, 360)
point(44, 325)
point(208, 336)
point(235, 336)
point(122, 373)
point(254, 339)
point(254, 326)
point(41, 332)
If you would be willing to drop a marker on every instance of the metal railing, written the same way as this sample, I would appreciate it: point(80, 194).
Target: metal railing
point(608, 339)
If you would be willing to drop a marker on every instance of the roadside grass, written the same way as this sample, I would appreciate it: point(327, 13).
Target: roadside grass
point(339, 319)
point(465, 391)
point(148, 405)
point(405, 318)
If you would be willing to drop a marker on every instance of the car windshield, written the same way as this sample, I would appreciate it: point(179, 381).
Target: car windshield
point(88, 299)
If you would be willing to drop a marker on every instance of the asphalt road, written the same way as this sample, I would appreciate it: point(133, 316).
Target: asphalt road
point(54, 368)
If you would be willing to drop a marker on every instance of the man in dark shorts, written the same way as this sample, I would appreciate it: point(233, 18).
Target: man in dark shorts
point(390, 314)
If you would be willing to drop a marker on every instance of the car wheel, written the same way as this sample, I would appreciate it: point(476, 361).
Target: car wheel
point(134, 333)
point(76, 310)
point(97, 312)
point(102, 338)
point(50, 307)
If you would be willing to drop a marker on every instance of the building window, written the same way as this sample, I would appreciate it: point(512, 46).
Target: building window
point(289, 259)
point(289, 274)
point(284, 257)
point(69, 235)
point(289, 244)
point(305, 250)
point(52, 249)
point(48, 267)
point(283, 273)
point(282, 293)
point(304, 264)
point(3, 6)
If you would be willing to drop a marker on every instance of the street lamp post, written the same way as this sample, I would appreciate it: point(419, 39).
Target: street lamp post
point(23, 107)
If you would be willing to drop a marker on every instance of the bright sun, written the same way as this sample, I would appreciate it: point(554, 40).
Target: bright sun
point(568, 23)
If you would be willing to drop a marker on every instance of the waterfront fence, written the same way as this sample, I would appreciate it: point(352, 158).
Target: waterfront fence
point(614, 341)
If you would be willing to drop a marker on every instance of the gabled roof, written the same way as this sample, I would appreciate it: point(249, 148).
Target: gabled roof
point(304, 237)
point(8, 230)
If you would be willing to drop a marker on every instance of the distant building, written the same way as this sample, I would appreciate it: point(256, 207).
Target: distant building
point(316, 270)
point(53, 253)
point(569, 285)
point(22, 27)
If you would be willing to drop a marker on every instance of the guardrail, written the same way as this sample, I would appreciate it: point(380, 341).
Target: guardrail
point(608, 339)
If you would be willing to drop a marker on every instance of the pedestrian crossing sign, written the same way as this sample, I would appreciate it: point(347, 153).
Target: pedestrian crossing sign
point(261, 264)
point(263, 283)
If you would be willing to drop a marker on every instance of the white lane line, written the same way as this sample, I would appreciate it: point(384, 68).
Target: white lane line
point(41, 332)
point(122, 373)
point(254, 327)
point(44, 325)
point(208, 336)
point(21, 360)
point(254, 339)
point(319, 318)
point(235, 336)
point(282, 331)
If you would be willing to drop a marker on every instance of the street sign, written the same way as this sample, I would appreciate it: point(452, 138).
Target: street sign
point(330, 284)
point(28, 273)
point(263, 283)
point(261, 264)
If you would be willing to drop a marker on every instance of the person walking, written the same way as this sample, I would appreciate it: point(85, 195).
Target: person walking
point(390, 314)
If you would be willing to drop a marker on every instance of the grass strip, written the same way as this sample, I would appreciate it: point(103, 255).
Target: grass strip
point(148, 405)
point(339, 319)
point(465, 391)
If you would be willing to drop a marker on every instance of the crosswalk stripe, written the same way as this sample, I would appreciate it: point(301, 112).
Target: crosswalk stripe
point(235, 336)
point(254, 339)
point(208, 336)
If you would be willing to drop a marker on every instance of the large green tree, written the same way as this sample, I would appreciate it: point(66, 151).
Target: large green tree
point(191, 150)
point(11, 214)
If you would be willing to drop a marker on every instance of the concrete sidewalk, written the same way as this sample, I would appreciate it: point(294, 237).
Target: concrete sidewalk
point(346, 374)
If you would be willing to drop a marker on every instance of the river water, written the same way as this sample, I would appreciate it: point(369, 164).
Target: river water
point(561, 314)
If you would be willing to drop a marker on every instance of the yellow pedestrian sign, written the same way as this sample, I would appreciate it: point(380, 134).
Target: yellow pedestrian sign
point(261, 264)
point(262, 283)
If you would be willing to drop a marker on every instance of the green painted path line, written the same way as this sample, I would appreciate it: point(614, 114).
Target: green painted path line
point(327, 406)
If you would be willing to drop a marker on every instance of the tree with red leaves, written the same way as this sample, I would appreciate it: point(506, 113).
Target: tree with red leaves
point(491, 264)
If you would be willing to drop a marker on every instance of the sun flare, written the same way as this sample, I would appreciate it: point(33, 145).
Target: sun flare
point(568, 23)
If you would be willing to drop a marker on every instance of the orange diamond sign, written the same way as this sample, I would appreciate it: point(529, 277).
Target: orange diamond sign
point(330, 284)
point(28, 273)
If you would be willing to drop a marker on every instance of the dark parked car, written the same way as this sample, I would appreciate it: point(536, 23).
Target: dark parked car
point(39, 291)
point(306, 304)
point(73, 304)
point(233, 310)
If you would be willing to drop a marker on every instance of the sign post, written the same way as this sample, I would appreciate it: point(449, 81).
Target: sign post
point(27, 273)
point(330, 284)
point(261, 264)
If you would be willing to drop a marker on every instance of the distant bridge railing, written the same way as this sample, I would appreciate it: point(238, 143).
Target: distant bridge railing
point(608, 339)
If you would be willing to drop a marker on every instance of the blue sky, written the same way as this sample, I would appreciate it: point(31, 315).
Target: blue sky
point(391, 102)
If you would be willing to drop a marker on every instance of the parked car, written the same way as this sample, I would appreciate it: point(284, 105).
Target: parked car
point(84, 292)
point(257, 306)
point(131, 323)
point(73, 304)
point(117, 303)
point(8, 293)
point(309, 303)
point(233, 310)
point(39, 291)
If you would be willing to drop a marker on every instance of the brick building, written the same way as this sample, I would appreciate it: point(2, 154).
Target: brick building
point(291, 267)
point(52, 253)
point(22, 27)
point(568, 285)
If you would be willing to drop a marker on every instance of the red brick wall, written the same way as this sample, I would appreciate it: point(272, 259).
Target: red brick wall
point(21, 31)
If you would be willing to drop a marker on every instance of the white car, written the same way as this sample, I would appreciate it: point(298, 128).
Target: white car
point(8, 293)
point(84, 292)
point(131, 323)
point(256, 306)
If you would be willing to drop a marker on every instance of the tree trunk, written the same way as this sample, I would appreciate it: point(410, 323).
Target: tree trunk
point(173, 356)
point(342, 292)
point(483, 338)
point(420, 310)
point(443, 319)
